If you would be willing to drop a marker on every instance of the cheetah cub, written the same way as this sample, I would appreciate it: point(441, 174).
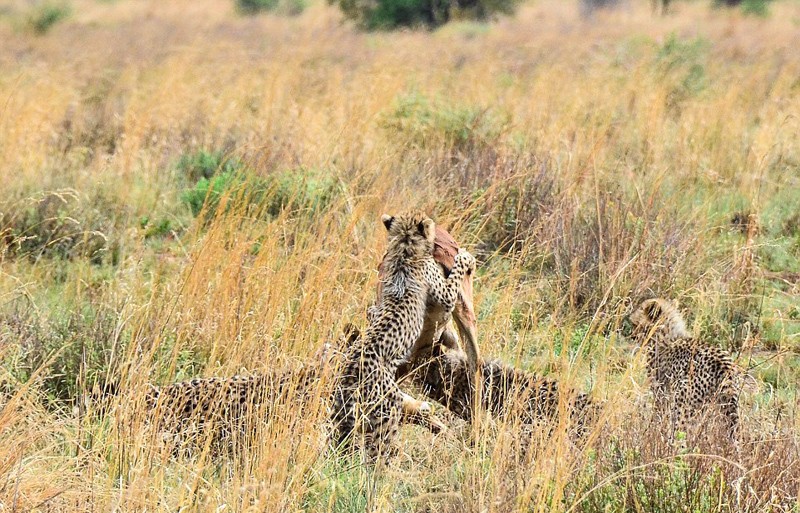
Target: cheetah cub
point(367, 400)
point(685, 374)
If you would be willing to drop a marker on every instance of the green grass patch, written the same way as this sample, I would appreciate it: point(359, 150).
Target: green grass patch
point(46, 15)
point(425, 122)
point(300, 190)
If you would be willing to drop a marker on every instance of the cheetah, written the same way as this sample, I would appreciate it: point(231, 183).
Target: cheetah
point(438, 327)
point(444, 375)
point(367, 399)
point(685, 374)
point(226, 409)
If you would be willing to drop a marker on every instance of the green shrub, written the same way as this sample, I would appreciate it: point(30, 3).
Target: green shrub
point(673, 484)
point(304, 189)
point(205, 164)
point(286, 7)
point(756, 7)
point(681, 66)
point(158, 229)
point(207, 193)
point(58, 224)
point(75, 344)
point(44, 16)
point(297, 189)
point(256, 6)
point(390, 14)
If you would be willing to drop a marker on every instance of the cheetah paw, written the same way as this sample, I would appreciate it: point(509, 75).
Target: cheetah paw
point(466, 259)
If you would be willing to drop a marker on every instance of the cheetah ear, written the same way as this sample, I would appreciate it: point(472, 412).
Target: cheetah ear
point(653, 311)
point(427, 228)
point(387, 221)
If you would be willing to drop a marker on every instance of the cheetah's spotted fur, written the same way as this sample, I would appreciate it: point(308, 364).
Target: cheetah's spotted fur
point(444, 376)
point(367, 400)
point(685, 374)
point(228, 408)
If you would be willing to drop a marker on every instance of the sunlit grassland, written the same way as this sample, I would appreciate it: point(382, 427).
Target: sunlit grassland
point(588, 164)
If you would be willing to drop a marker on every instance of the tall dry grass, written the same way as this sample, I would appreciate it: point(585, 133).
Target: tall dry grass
point(587, 164)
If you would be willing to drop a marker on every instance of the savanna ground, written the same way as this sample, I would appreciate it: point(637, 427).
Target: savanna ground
point(190, 192)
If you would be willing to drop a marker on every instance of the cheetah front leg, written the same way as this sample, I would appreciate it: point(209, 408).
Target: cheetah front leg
point(729, 407)
point(445, 291)
point(421, 413)
point(382, 426)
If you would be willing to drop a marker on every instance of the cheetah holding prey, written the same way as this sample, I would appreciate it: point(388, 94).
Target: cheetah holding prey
point(367, 400)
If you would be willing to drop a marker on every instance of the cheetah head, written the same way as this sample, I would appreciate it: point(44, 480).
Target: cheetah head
point(658, 316)
point(413, 230)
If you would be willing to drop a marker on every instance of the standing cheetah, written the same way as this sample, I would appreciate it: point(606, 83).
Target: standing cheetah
point(438, 327)
point(367, 399)
point(685, 374)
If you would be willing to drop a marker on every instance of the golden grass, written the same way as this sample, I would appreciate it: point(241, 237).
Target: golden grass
point(650, 131)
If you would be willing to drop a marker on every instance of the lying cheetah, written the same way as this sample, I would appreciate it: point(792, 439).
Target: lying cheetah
point(444, 376)
point(367, 400)
point(685, 374)
point(224, 409)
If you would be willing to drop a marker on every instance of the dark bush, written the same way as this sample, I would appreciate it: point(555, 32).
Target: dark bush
point(390, 14)
point(791, 226)
point(588, 7)
point(205, 164)
point(255, 6)
point(287, 7)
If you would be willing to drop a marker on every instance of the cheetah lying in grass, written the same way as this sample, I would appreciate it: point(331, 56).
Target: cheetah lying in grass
point(504, 390)
point(444, 375)
point(223, 410)
point(686, 375)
